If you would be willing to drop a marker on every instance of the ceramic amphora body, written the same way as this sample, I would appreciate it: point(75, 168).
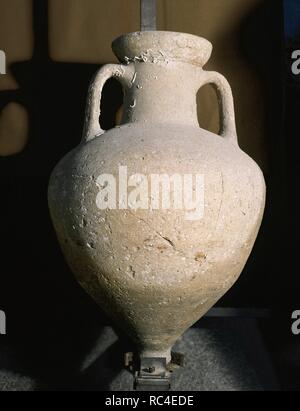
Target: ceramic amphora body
point(155, 261)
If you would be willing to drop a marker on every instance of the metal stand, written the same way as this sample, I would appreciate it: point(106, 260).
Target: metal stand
point(153, 374)
point(148, 15)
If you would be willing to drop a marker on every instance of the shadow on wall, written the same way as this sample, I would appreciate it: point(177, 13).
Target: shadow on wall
point(52, 323)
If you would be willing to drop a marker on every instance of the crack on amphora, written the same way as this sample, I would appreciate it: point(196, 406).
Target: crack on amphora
point(168, 241)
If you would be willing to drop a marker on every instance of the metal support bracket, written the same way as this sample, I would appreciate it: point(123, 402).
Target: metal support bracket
point(148, 15)
point(153, 374)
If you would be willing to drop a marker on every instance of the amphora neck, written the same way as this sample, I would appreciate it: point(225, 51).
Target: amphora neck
point(166, 67)
point(162, 93)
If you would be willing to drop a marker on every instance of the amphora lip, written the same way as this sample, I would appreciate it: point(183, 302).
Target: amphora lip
point(162, 46)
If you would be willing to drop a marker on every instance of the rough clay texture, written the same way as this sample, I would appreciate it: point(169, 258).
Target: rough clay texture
point(153, 271)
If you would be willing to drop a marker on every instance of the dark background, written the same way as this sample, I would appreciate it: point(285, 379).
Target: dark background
point(46, 309)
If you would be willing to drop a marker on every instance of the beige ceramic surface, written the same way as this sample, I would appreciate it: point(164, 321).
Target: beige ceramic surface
point(153, 271)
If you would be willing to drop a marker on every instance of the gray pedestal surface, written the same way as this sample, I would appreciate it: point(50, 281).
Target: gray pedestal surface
point(218, 358)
